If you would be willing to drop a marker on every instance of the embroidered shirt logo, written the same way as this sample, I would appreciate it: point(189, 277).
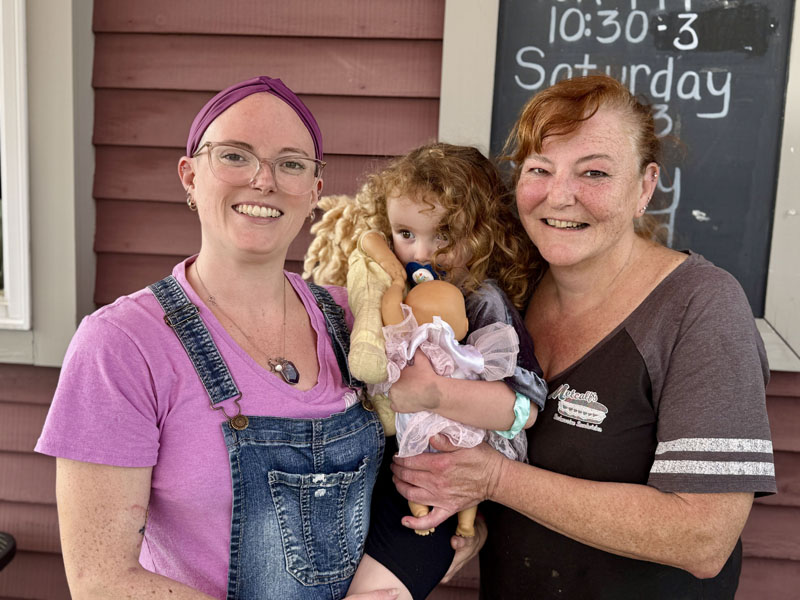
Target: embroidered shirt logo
point(578, 409)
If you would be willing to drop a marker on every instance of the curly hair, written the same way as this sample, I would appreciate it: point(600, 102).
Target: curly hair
point(479, 218)
point(563, 107)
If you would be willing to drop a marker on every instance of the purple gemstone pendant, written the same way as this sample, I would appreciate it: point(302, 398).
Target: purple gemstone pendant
point(286, 369)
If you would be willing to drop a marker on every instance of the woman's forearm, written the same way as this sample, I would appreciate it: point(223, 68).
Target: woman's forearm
point(694, 532)
point(485, 404)
point(134, 583)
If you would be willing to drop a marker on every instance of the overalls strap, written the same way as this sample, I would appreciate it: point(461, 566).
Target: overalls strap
point(337, 330)
point(183, 318)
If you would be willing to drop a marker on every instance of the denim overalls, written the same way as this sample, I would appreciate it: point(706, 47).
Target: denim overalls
point(301, 487)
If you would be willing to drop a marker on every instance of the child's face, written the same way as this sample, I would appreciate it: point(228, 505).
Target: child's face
point(416, 234)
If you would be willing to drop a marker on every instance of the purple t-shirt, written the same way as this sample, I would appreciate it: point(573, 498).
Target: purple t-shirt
point(129, 396)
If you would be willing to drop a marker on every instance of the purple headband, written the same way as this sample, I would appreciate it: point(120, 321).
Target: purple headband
point(227, 97)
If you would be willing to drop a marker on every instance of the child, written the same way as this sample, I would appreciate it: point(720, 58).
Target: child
point(445, 207)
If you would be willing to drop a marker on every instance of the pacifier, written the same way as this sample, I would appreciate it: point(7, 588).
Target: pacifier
point(417, 273)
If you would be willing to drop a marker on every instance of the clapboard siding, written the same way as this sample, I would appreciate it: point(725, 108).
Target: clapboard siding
point(120, 274)
point(34, 576)
point(355, 126)
point(21, 424)
point(27, 384)
point(347, 67)
point(119, 173)
point(787, 471)
point(772, 532)
point(33, 477)
point(418, 19)
point(35, 525)
point(784, 384)
point(784, 421)
point(765, 579)
point(27, 486)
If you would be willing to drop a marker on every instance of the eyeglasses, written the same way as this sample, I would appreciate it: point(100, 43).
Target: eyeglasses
point(232, 164)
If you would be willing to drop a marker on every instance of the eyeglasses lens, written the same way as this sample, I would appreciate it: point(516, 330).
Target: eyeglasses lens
point(292, 174)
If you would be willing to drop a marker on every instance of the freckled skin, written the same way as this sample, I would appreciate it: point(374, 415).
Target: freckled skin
point(592, 177)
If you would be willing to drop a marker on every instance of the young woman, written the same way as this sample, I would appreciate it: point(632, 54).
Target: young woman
point(210, 441)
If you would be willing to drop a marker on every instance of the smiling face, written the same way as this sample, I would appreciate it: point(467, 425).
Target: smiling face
point(416, 234)
point(256, 217)
point(579, 197)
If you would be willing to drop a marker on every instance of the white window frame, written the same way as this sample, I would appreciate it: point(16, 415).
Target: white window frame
point(15, 298)
point(465, 117)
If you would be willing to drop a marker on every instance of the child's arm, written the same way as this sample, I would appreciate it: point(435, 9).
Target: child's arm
point(485, 404)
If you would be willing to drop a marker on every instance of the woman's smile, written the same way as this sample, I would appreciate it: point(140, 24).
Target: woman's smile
point(560, 224)
point(258, 210)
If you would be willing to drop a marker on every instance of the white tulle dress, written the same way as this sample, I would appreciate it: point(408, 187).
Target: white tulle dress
point(490, 354)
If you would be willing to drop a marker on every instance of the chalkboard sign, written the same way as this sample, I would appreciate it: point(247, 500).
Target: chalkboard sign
point(715, 73)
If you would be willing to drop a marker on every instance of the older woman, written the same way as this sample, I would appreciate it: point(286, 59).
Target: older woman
point(210, 439)
point(654, 439)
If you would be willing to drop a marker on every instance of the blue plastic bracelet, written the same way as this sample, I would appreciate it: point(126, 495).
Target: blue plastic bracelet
point(522, 410)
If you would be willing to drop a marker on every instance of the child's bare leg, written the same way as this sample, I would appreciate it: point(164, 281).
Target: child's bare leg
point(466, 522)
point(372, 575)
point(420, 510)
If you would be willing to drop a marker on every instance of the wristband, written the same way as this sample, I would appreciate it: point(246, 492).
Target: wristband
point(522, 410)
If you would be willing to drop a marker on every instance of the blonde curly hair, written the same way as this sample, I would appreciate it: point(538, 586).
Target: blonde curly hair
point(479, 218)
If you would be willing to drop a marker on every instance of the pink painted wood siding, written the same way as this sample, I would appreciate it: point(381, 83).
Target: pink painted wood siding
point(27, 486)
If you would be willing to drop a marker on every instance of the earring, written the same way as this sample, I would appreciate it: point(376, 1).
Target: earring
point(646, 204)
point(190, 201)
point(312, 215)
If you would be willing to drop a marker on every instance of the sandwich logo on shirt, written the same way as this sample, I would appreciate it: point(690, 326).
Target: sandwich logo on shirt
point(579, 409)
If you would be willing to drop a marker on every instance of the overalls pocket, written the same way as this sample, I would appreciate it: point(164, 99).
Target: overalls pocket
point(323, 522)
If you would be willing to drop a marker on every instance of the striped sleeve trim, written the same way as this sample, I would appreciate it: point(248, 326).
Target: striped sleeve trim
point(715, 445)
point(713, 467)
point(713, 464)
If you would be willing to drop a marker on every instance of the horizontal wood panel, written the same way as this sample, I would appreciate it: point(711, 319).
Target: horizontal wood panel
point(33, 478)
point(787, 474)
point(128, 227)
point(34, 576)
point(350, 67)
point(34, 526)
point(27, 383)
point(124, 226)
point(766, 579)
point(146, 173)
point(356, 126)
point(20, 425)
point(782, 383)
point(417, 19)
point(121, 274)
point(784, 422)
point(772, 532)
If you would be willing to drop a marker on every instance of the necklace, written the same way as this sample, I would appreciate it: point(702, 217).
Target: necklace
point(278, 365)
